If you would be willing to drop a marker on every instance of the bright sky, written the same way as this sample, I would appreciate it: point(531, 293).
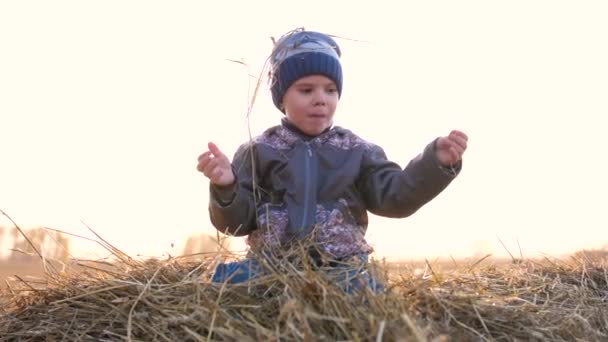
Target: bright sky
point(105, 106)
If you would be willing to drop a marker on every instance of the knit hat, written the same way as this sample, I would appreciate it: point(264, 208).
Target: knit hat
point(303, 53)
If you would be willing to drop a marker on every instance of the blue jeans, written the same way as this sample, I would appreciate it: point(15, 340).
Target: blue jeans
point(348, 278)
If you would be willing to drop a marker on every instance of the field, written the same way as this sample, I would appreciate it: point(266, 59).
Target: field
point(24, 268)
point(170, 300)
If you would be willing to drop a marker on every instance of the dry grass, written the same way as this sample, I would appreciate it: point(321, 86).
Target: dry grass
point(173, 300)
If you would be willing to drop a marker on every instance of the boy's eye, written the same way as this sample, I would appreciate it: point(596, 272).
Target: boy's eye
point(305, 90)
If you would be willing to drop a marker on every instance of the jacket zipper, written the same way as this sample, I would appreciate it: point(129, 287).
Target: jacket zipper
point(306, 186)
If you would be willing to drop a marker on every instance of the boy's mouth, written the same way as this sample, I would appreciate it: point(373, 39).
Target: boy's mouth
point(317, 116)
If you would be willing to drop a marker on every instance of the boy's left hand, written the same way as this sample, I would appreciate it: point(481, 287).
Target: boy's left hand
point(449, 150)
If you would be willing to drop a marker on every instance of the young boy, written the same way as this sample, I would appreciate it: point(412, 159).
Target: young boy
point(306, 178)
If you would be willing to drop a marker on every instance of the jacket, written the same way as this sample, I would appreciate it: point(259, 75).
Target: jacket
point(289, 185)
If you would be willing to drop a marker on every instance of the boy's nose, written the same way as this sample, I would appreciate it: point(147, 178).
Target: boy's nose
point(320, 99)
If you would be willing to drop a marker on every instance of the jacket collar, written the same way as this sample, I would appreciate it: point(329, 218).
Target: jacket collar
point(293, 129)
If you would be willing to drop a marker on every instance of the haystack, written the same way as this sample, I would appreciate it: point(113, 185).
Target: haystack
point(173, 300)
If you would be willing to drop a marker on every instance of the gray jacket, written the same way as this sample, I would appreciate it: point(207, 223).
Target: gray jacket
point(289, 186)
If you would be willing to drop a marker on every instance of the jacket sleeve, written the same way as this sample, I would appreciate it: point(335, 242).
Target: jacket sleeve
point(392, 192)
point(232, 209)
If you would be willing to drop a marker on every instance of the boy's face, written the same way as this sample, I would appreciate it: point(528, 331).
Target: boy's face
point(310, 103)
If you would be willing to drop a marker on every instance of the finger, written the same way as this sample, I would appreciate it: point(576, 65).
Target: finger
point(443, 143)
point(212, 165)
point(206, 154)
point(203, 160)
point(457, 147)
point(459, 141)
point(215, 150)
point(460, 134)
point(455, 155)
point(448, 143)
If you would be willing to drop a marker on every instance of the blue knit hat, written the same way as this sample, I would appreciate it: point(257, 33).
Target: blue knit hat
point(303, 53)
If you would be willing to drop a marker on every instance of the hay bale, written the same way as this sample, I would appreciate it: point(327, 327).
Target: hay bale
point(173, 300)
point(596, 256)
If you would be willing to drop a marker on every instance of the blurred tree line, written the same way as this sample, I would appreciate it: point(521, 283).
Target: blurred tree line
point(56, 246)
point(51, 244)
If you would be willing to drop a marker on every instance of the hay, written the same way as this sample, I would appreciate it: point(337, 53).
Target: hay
point(173, 300)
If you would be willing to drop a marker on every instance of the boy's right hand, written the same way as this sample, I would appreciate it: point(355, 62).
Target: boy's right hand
point(216, 166)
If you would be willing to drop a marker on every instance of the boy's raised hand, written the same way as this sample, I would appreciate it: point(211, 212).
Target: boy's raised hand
point(216, 166)
point(449, 150)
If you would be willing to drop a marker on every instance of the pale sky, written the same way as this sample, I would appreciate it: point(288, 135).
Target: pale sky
point(105, 106)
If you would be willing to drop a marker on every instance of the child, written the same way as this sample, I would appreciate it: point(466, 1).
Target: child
point(309, 179)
